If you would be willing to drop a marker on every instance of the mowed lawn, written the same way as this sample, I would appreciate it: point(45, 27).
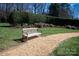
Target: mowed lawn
point(9, 36)
point(68, 47)
point(55, 30)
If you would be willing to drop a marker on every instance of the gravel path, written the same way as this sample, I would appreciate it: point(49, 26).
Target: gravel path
point(40, 46)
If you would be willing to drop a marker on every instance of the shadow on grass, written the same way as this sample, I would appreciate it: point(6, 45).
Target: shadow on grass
point(1, 49)
point(25, 39)
point(1, 37)
point(5, 26)
point(18, 40)
point(32, 37)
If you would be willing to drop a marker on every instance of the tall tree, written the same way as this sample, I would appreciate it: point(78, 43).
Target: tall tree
point(65, 10)
point(54, 9)
point(9, 7)
point(36, 7)
point(19, 6)
point(43, 8)
point(60, 10)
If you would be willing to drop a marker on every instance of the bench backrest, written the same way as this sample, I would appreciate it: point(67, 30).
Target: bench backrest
point(29, 30)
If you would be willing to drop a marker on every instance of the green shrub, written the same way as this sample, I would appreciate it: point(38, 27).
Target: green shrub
point(36, 18)
point(3, 16)
point(18, 17)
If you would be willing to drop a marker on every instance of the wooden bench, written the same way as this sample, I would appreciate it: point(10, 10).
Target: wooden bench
point(30, 32)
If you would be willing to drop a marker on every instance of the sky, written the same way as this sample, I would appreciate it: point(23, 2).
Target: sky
point(75, 9)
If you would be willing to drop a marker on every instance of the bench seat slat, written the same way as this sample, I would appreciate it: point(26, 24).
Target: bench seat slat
point(32, 34)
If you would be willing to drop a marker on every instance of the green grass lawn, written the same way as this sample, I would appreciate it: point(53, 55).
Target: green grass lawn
point(68, 47)
point(9, 35)
point(55, 30)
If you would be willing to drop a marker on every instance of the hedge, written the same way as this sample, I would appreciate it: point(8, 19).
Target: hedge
point(63, 22)
point(36, 18)
point(20, 17)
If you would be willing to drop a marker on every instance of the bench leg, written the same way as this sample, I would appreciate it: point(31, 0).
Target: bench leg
point(24, 38)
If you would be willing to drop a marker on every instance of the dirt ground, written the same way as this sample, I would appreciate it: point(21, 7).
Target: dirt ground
point(40, 46)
